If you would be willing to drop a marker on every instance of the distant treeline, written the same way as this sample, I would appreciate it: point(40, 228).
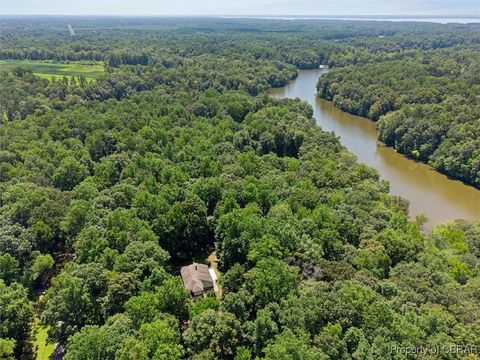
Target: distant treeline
point(44, 54)
point(305, 44)
point(117, 59)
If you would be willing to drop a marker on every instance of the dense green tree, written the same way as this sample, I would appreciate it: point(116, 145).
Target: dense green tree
point(94, 342)
point(162, 340)
point(173, 298)
point(187, 226)
point(219, 332)
point(232, 279)
point(121, 287)
point(234, 231)
point(15, 319)
point(7, 348)
point(210, 302)
point(8, 268)
point(142, 308)
point(291, 346)
point(141, 258)
point(330, 341)
point(264, 330)
point(40, 266)
point(69, 173)
point(74, 300)
point(270, 281)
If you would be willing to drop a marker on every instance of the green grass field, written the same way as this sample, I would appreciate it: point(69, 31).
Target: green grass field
point(44, 348)
point(49, 70)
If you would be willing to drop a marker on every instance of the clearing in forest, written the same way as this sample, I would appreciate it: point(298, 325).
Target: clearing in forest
point(57, 70)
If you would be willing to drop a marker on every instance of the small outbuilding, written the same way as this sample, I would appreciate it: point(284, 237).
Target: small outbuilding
point(197, 279)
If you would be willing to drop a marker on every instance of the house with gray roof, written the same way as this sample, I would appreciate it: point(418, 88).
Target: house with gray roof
point(197, 279)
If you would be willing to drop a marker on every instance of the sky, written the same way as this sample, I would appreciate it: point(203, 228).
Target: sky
point(241, 7)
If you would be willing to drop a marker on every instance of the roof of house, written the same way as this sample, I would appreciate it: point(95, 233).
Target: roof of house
point(196, 278)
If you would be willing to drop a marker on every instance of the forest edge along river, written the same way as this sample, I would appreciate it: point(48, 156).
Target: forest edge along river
point(429, 192)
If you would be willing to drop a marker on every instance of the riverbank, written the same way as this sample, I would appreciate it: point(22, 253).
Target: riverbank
point(429, 192)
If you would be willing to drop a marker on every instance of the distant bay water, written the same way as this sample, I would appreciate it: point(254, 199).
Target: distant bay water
point(440, 19)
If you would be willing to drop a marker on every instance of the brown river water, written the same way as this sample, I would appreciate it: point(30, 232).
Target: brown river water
point(429, 192)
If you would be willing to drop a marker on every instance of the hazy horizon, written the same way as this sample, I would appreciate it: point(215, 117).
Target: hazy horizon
point(305, 8)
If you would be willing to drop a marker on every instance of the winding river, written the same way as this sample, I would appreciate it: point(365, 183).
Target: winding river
point(428, 191)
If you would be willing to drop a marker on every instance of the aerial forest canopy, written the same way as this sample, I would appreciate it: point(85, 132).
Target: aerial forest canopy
point(175, 151)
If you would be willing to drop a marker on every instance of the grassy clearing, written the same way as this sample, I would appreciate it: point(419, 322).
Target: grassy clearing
point(43, 348)
point(50, 70)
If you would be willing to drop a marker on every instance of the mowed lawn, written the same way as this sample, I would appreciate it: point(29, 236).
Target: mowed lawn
point(43, 348)
point(57, 70)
